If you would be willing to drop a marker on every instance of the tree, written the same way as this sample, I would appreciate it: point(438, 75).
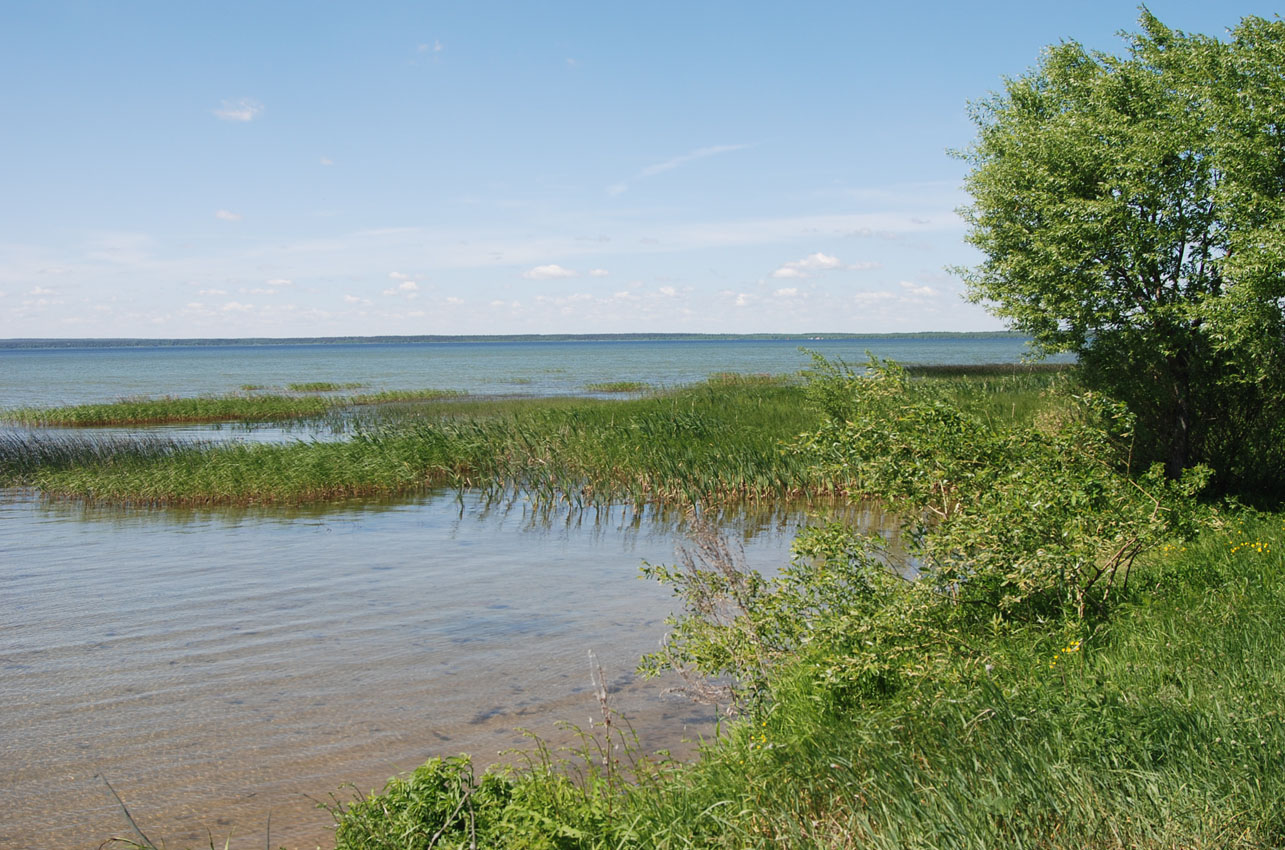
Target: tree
point(1132, 210)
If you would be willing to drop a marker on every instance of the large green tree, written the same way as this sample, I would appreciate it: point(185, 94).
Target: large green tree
point(1131, 209)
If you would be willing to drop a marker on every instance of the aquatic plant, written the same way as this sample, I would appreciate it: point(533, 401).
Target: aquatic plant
point(617, 387)
point(205, 409)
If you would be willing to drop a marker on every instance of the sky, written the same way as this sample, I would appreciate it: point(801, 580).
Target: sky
point(284, 169)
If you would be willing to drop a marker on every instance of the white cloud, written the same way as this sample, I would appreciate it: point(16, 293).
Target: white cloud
point(435, 47)
point(227, 215)
point(258, 291)
point(675, 162)
point(548, 272)
point(325, 160)
point(40, 290)
point(787, 292)
point(353, 299)
point(916, 289)
point(408, 288)
point(213, 292)
point(451, 299)
point(236, 307)
point(242, 109)
point(598, 272)
point(280, 281)
point(668, 291)
point(817, 262)
point(398, 276)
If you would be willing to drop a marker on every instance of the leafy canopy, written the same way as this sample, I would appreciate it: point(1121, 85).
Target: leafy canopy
point(1132, 210)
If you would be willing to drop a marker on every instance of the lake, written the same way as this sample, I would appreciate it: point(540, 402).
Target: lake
point(219, 666)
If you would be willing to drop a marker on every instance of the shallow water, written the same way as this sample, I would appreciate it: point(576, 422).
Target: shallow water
point(216, 666)
point(222, 666)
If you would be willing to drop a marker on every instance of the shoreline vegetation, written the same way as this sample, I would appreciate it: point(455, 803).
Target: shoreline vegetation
point(251, 406)
point(1106, 673)
point(718, 442)
point(1090, 655)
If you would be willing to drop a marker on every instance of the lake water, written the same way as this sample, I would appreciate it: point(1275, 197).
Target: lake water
point(42, 377)
point(218, 666)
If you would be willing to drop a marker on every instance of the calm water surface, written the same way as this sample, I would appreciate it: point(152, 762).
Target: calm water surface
point(218, 666)
point(42, 377)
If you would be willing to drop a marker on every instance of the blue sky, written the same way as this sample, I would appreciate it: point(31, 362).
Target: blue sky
point(315, 169)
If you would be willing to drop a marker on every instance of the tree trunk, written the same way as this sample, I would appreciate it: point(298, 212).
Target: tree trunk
point(1180, 427)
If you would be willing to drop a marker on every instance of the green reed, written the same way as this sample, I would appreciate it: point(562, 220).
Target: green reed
point(720, 441)
point(267, 407)
point(703, 443)
point(322, 386)
point(617, 387)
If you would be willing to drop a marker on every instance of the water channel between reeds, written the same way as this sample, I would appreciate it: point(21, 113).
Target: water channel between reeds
point(218, 666)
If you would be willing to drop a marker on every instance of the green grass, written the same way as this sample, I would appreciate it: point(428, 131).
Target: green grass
point(1164, 728)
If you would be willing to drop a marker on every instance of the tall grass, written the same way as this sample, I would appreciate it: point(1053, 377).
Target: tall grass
point(202, 409)
point(716, 442)
point(703, 444)
point(24, 454)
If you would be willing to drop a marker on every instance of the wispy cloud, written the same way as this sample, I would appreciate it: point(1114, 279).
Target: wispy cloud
point(671, 164)
point(241, 110)
point(917, 289)
point(227, 215)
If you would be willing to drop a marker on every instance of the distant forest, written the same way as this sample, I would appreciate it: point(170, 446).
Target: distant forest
point(443, 338)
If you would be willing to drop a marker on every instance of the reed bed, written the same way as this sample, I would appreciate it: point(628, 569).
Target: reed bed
point(25, 454)
point(701, 444)
point(725, 440)
point(269, 407)
point(323, 386)
point(617, 387)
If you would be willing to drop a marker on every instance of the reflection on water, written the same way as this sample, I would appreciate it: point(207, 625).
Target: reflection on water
point(220, 664)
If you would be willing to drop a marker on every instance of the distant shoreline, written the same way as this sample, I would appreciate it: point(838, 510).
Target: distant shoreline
point(42, 343)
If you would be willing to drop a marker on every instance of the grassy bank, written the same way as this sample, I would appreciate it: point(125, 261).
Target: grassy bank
point(1164, 728)
point(1017, 694)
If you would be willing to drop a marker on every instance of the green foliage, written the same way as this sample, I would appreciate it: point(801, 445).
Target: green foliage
point(1130, 210)
point(1008, 524)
